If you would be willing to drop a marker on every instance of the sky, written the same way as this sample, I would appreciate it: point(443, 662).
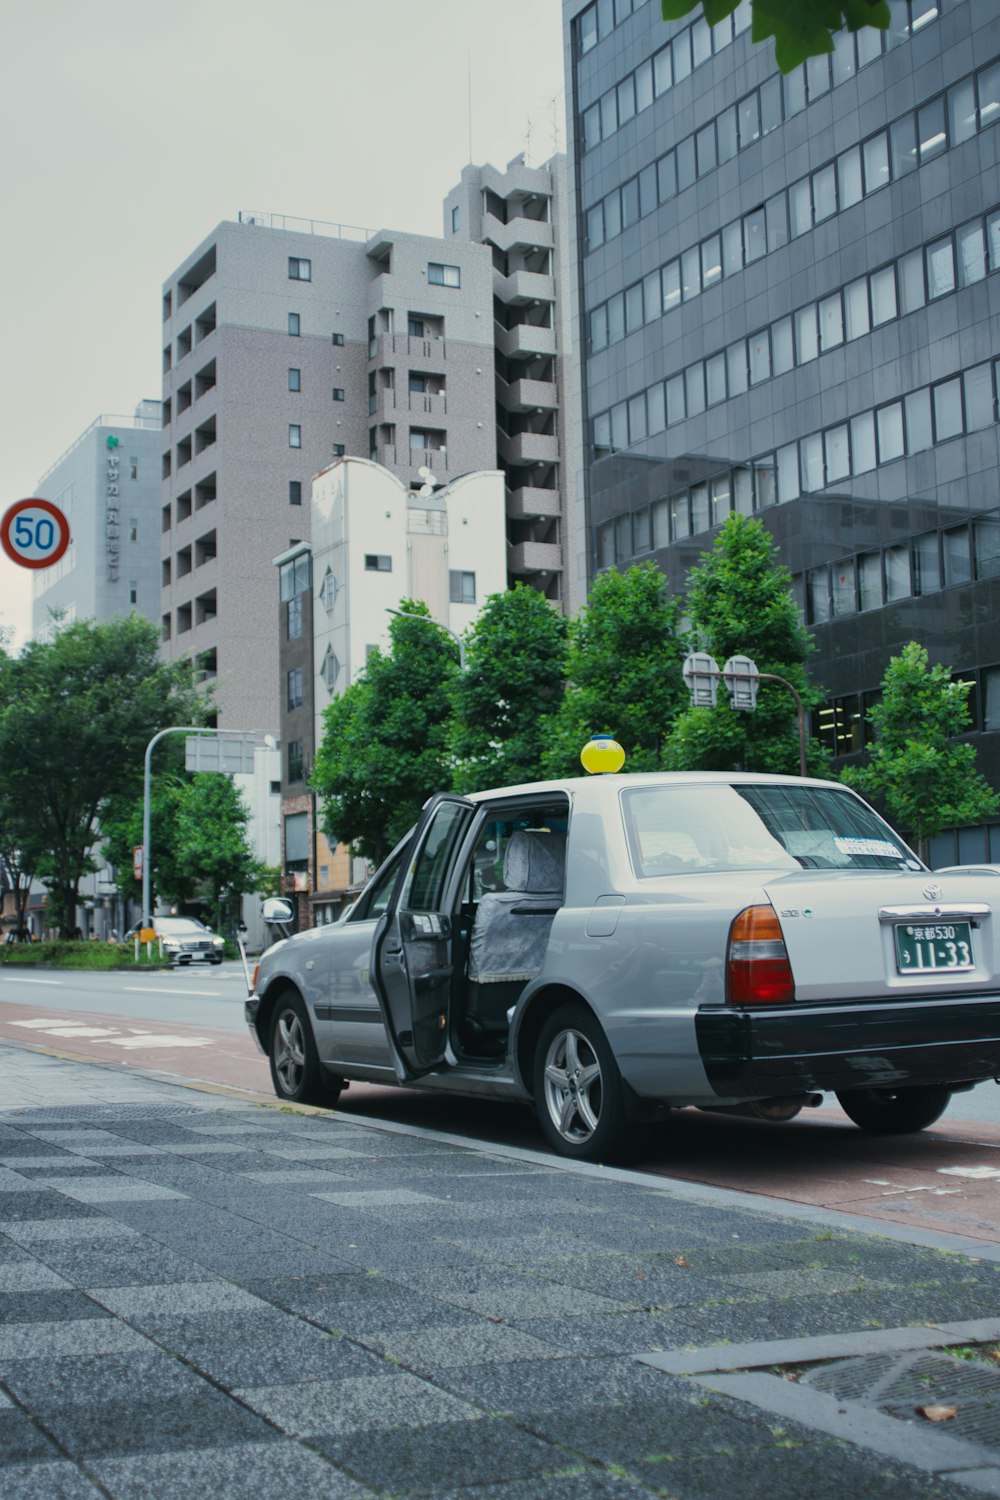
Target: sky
point(130, 130)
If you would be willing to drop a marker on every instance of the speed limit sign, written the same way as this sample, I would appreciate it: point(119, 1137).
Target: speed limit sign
point(34, 533)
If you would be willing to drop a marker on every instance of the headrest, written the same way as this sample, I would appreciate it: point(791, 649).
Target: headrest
point(535, 861)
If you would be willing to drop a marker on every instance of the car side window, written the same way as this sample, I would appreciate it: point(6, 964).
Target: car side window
point(378, 895)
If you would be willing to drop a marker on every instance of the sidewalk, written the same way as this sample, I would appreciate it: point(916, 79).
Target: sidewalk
point(201, 1296)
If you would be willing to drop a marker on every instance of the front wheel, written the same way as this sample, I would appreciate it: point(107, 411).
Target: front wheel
point(578, 1088)
point(895, 1111)
point(296, 1071)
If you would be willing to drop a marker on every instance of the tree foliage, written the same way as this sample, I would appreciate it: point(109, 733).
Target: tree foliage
point(505, 699)
point(800, 28)
point(740, 603)
point(624, 670)
point(385, 740)
point(925, 779)
point(200, 847)
point(75, 718)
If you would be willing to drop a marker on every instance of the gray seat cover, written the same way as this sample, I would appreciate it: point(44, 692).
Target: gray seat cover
point(508, 944)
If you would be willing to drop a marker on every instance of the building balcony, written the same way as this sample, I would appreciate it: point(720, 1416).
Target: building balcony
point(525, 341)
point(528, 448)
point(390, 345)
point(528, 395)
point(532, 504)
point(527, 558)
point(517, 234)
point(427, 402)
point(518, 178)
point(523, 287)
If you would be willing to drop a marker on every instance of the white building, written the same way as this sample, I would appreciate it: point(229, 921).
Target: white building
point(374, 542)
point(107, 484)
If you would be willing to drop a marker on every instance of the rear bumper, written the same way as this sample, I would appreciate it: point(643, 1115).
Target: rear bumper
point(796, 1048)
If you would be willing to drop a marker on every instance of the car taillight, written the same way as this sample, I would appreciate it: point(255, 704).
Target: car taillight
point(758, 971)
point(256, 971)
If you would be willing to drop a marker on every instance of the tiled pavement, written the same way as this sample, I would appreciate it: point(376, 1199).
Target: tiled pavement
point(203, 1297)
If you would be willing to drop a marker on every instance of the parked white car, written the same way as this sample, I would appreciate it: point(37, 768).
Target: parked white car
point(185, 940)
point(614, 945)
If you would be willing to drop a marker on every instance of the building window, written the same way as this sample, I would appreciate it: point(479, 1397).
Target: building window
point(338, 393)
point(439, 275)
point(295, 492)
point(294, 618)
point(330, 670)
point(297, 841)
point(378, 562)
point(133, 529)
point(294, 435)
point(455, 218)
point(299, 270)
point(339, 449)
point(133, 468)
point(328, 591)
point(133, 593)
point(294, 577)
point(295, 760)
point(462, 587)
point(294, 325)
point(296, 695)
point(338, 339)
point(295, 380)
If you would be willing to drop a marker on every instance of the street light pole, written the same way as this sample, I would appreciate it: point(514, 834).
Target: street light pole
point(409, 614)
point(147, 915)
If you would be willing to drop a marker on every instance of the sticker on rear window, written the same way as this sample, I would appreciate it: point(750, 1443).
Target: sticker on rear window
point(868, 846)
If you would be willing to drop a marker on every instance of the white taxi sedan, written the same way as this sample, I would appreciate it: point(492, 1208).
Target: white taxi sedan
point(612, 946)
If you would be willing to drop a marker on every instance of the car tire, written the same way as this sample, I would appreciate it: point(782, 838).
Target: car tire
point(215, 961)
point(296, 1071)
point(578, 1088)
point(895, 1111)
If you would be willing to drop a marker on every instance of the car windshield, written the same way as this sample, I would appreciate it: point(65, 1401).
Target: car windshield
point(177, 926)
point(686, 829)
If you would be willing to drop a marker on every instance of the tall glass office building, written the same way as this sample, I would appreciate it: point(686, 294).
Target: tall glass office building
point(791, 308)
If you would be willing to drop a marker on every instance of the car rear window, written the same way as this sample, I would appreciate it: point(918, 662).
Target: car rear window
point(687, 829)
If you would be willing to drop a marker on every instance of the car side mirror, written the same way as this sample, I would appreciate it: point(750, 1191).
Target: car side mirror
point(277, 910)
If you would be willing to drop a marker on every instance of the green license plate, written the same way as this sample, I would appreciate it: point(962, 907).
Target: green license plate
point(933, 947)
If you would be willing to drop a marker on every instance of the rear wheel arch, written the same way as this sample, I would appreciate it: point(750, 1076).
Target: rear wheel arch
point(539, 1008)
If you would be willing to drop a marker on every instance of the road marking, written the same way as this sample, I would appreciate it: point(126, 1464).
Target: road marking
point(39, 1022)
point(980, 1174)
point(137, 1037)
point(151, 1040)
point(25, 979)
point(76, 1030)
point(155, 989)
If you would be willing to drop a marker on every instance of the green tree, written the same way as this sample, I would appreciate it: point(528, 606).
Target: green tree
point(77, 714)
point(800, 28)
point(740, 603)
point(512, 685)
point(925, 779)
point(199, 842)
point(214, 854)
point(19, 856)
point(624, 670)
point(385, 740)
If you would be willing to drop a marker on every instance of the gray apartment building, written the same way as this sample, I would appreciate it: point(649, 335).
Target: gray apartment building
point(107, 484)
point(522, 214)
point(286, 344)
point(789, 308)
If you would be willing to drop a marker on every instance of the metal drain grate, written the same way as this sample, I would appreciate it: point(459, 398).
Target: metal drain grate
point(851, 1379)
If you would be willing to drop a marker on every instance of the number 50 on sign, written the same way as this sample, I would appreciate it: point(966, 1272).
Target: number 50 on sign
point(34, 533)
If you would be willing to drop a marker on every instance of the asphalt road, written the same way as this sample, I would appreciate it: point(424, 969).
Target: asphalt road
point(188, 1024)
point(202, 995)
